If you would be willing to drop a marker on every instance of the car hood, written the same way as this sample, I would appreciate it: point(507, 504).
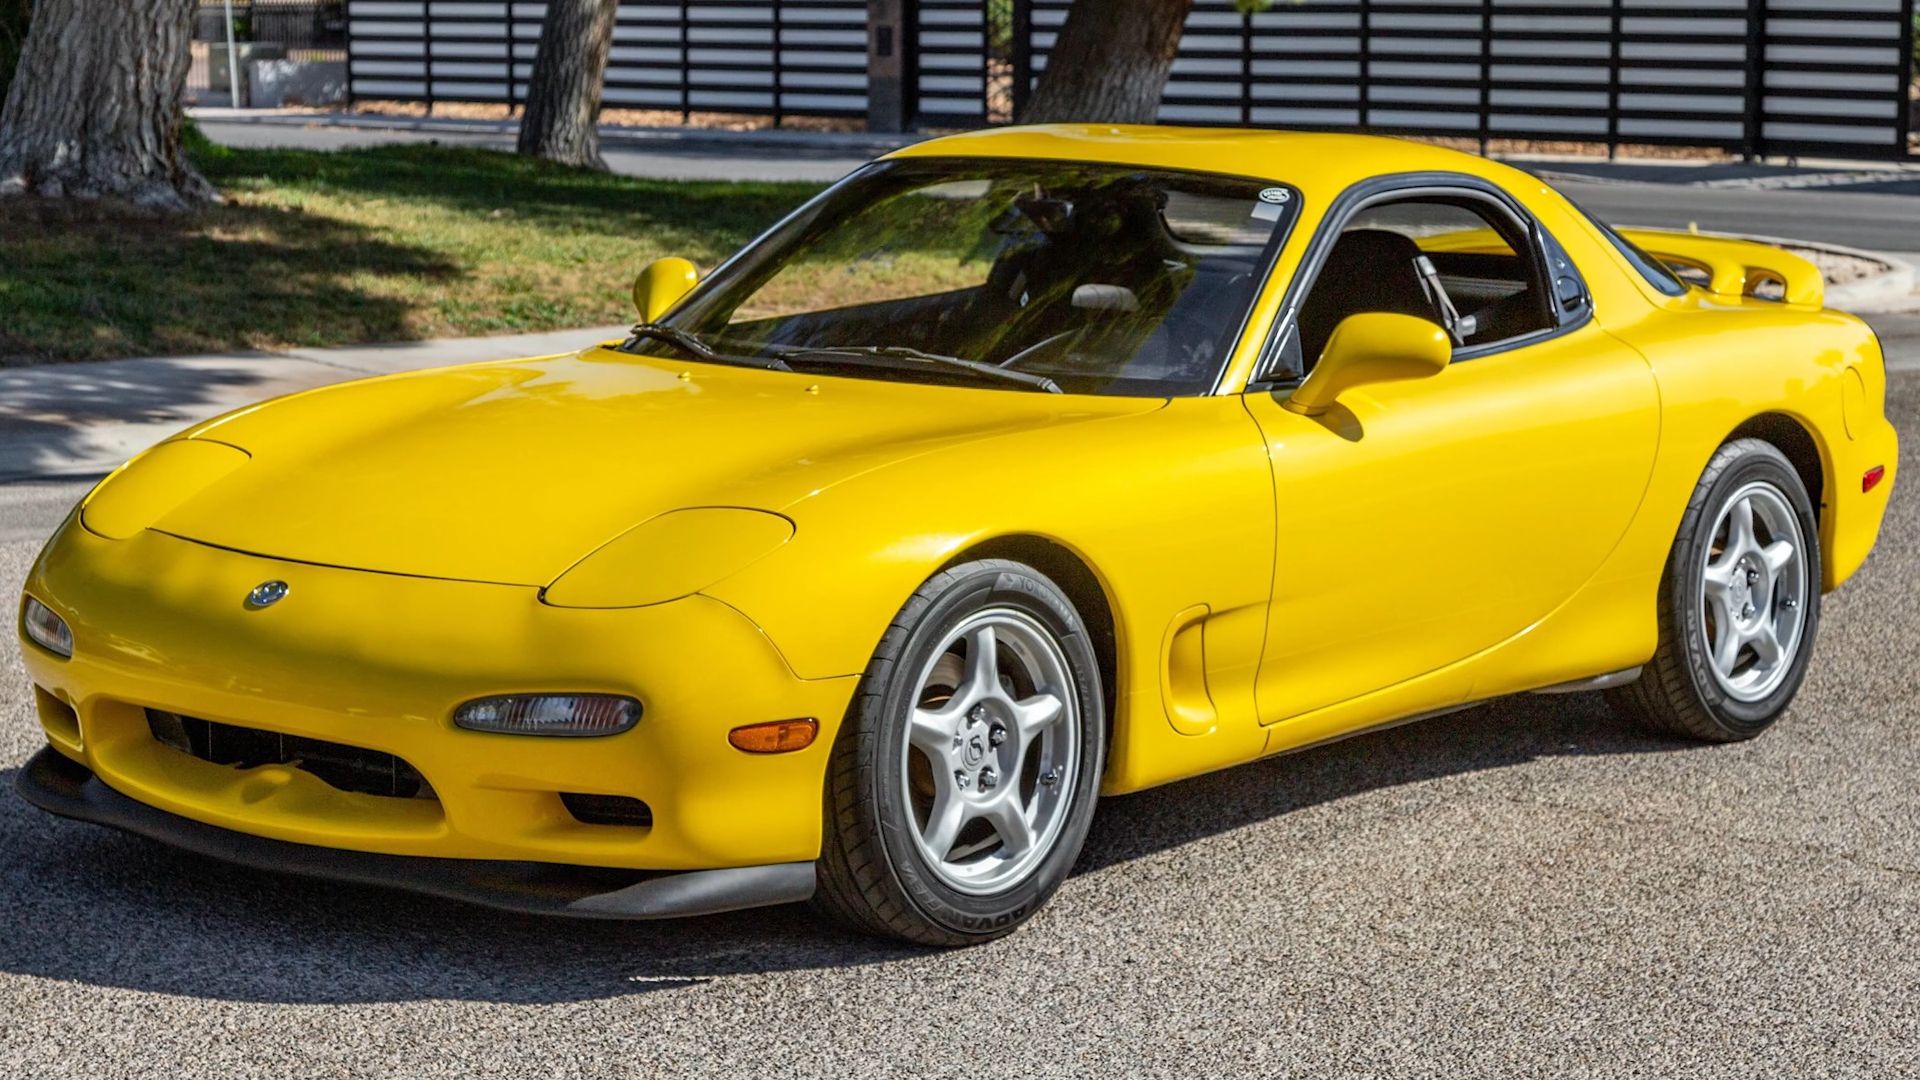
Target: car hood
point(511, 472)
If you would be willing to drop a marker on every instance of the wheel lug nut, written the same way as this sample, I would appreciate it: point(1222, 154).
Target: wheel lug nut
point(961, 778)
point(988, 779)
point(976, 716)
point(998, 735)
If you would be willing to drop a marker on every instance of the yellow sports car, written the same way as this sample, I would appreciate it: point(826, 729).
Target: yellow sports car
point(1017, 468)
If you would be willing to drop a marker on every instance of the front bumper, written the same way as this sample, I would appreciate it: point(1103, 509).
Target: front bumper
point(60, 786)
point(379, 662)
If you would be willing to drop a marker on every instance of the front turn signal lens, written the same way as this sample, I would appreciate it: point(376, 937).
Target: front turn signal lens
point(47, 630)
point(1871, 478)
point(549, 714)
point(775, 736)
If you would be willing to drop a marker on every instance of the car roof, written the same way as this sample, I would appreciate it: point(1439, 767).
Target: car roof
point(1318, 163)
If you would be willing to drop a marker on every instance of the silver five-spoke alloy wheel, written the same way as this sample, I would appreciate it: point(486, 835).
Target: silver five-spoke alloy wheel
point(992, 751)
point(1752, 592)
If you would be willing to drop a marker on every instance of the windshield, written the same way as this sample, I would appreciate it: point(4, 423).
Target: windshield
point(1062, 276)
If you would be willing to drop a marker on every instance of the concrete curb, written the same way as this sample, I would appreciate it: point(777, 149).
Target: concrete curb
point(1888, 291)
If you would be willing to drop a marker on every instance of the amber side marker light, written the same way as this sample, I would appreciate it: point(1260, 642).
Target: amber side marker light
point(1871, 478)
point(775, 736)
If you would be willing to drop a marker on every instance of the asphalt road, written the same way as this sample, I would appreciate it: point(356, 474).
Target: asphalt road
point(1526, 888)
point(1876, 222)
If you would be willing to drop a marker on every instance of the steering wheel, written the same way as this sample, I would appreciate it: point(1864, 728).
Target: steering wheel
point(1070, 338)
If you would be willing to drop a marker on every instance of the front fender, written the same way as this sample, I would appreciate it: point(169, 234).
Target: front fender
point(1171, 510)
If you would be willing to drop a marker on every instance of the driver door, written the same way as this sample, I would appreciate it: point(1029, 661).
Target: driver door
point(1422, 522)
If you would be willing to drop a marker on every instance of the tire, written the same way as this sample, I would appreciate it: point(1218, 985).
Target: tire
point(1719, 580)
point(930, 730)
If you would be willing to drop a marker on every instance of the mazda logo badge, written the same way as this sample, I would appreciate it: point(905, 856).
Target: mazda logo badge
point(267, 594)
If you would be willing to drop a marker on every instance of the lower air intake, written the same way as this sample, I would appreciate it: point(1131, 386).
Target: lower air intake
point(607, 809)
point(349, 768)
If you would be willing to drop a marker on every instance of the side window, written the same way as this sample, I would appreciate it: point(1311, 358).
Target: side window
point(1442, 260)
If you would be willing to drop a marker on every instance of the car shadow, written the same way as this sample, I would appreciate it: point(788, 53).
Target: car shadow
point(95, 907)
point(1499, 734)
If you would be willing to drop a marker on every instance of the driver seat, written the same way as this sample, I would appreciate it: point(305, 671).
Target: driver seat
point(1367, 270)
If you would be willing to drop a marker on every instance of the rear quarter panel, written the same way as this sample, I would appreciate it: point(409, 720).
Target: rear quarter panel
point(1721, 365)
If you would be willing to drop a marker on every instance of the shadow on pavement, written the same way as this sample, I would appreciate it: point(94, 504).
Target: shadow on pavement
point(95, 907)
point(50, 418)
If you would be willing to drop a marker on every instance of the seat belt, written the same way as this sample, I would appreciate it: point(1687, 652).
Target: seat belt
point(1459, 327)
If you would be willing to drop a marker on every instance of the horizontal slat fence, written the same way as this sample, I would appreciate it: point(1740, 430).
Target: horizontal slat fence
point(1752, 76)
point(757, 57)
point(1759, 76)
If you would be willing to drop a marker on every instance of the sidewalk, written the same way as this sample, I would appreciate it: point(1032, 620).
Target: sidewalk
point(84, 419)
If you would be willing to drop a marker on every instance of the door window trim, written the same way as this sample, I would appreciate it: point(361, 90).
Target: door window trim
point(1543, 249)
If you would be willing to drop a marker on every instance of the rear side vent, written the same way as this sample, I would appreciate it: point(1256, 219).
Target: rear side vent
point(607, 809)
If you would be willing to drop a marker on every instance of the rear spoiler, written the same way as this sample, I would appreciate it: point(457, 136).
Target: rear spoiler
point(1734, 268)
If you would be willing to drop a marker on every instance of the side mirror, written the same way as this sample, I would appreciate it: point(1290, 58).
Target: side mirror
point(661, 284)
point(1372, 347)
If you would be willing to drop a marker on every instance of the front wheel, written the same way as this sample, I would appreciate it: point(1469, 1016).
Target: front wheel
point(962, 785)
point(1739, 602)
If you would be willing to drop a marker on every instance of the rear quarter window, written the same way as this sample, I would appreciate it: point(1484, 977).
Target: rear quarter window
point(1656, 272)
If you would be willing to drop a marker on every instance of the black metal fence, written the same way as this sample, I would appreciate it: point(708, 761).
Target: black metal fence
point(1752, 76)
point(756, 57)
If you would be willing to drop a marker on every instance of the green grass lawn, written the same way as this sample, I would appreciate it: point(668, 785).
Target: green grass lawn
point(385, 244)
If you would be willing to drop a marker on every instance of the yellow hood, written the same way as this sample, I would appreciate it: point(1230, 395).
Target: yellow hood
point(510, 472)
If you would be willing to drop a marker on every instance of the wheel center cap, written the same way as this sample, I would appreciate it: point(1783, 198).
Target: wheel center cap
point(974, 750)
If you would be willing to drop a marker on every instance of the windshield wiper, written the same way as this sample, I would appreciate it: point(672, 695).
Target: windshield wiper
point(905, 352)
point(673, 335)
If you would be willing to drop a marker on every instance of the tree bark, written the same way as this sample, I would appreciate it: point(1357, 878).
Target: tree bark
point(1110, 63)
point(563, 96)
point(94, 109)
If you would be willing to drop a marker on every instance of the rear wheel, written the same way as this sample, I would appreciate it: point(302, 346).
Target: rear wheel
point(1739, 602)
point(962, 785)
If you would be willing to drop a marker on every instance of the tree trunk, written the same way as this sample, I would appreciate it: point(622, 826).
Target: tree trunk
point(563, 97)
point(1110, 63)
point(94, 109)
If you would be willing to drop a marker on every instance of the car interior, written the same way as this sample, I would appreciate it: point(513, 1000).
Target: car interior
point(1122, 288)
point(1440, 260)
